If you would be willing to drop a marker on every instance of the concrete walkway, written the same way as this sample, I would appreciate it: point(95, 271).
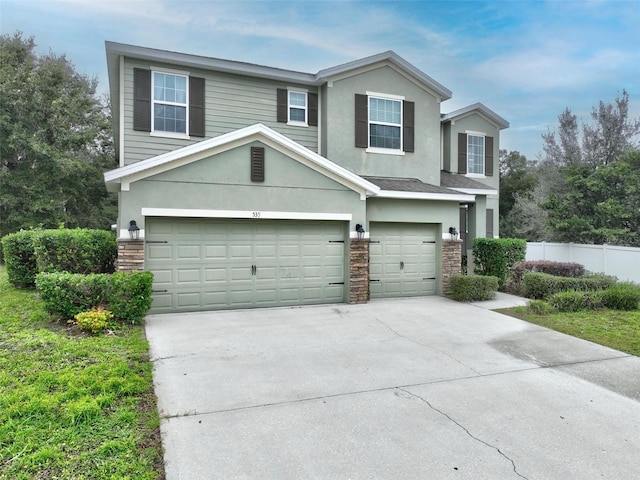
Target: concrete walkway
point(420, 388)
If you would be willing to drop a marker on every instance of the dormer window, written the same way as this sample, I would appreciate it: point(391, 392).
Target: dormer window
point(169, 103)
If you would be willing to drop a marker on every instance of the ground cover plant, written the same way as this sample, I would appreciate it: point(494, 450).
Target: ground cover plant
point(73, 405)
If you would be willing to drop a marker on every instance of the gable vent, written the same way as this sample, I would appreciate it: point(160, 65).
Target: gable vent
point(257, 164)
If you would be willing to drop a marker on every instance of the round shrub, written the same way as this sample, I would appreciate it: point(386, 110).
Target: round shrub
point(94, 321)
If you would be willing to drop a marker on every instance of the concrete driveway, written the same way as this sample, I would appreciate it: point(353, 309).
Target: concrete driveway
point(422, 388)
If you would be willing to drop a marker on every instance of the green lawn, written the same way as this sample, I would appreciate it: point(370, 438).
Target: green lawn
point(72, 405)
point(612, 328)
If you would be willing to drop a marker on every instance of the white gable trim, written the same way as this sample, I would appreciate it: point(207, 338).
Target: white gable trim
point(426, 196)
point(213, 146)
point(251, 214)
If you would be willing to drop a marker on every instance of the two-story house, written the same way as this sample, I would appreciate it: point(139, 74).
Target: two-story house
point(256, 186)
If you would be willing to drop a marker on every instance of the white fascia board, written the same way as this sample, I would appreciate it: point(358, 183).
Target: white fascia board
point(251, 214)
point(489, 114)
point(425, 196)
point(474, 191)
point(167, 161)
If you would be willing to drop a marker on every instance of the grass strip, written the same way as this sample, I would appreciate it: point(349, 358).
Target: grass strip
point(611, 328)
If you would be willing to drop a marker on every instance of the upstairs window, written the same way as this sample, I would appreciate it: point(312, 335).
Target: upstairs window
point(297, 107)
point(169, 103)
point(385, 123)
point(475, 154)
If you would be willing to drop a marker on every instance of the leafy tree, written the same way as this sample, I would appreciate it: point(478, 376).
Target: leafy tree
point(602, 205)
point(571, 201)
point(517, 180)
point(55, 142)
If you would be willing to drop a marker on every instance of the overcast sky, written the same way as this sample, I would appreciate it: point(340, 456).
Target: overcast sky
point(526, 60)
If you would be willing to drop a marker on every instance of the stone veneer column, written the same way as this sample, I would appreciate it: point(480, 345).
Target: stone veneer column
point(130, 256)
point(359, 271)
point(451, 262)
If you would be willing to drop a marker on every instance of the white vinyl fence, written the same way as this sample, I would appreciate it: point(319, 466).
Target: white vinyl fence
point(622, 262)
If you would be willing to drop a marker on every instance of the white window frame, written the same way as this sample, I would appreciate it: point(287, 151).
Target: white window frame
point(385, 96)
point(298, 123)
point(484, 154)
point(163, 133)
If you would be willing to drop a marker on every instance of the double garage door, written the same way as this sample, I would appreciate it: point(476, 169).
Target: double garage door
point(402, 259)
point(204, 264)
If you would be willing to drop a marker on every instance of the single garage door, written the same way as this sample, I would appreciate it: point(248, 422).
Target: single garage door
point(204, 264)
point(402, 259)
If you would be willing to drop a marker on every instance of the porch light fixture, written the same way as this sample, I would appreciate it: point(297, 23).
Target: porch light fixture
point(453, 232)
point(134, 230)
point(360, 230)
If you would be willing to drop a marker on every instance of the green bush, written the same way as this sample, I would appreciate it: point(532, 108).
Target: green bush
point(574, 301)
point(560, 269)
point(95, 320)
point(466, 288)
point(19, 258)
point(129, 295)
point(540, 307)
point(543, 285)
point(495, 256)
point(77, 250)
point(126, 295)
point(622, 296)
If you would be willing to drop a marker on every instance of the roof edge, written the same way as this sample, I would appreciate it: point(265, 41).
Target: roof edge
point(500, 122)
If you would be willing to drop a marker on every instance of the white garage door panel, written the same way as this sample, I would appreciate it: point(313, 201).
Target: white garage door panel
point(208, 264)
point(402, 259)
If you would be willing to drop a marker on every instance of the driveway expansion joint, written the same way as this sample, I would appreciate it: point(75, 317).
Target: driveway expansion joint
point(466, 430)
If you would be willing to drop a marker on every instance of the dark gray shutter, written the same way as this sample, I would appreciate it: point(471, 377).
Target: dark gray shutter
point(257, 164)
point(196, 106)
point(489, 222)
point(408, 135)
point(313, 109)
point(362, 121)
point(463, 229)
point(488, 156)
point(283, 105)
point(142, 99)
point(462, 153)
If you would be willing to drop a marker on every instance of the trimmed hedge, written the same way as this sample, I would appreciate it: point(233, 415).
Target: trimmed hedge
point(559, 269)
point(20, 259)
point(495, 256)
point(126, 295)
point(77, 250)
point(543, 285)
point(466, 288)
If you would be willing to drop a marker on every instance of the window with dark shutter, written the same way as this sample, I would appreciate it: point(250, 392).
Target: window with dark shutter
point(196, 106)
point(408, 114)
point(313, 109)
point(257, 164)
point(462, 153)
point(362, 121)
point(488, 156)
point(282, 105)
point(142, 99)
point(489, 222)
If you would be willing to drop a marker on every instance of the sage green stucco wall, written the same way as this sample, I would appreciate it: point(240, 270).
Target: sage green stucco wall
point(474, 122)
point(231, 102)
point(222, 182)
point(413, 211)
point(340, 148)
